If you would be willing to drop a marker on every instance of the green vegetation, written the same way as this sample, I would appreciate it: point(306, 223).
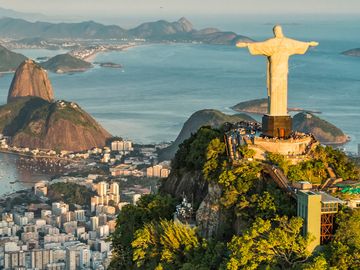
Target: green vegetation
point(269, 244)
point(163, 245)
point(344, 251)
point(246, 152)
point(34, 123)
point(209, 118)
point(150, 208)
point(70, 193)
point(16, 115)
point(74, 114)
point(315, 170)
point(245, 194)
point(21, 198)
point(257, 229)
point(192, 152)
point(9, 111)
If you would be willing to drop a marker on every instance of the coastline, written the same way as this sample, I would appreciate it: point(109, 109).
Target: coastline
point(91, 57)
point(38, 157)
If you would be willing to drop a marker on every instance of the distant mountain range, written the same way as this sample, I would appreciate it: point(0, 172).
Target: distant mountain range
point(5, 12)
point(179, 31)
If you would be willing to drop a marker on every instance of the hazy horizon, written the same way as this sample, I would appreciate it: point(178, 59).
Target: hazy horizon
point(146, 7)
point(128, 13)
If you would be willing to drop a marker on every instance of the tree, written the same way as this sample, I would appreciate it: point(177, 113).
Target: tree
point(318, 263)
point(215, 158)
point(164, 244)
point(210, 255)
point(279, 160)
point(131, 218)
point(246, 152)
point(345, 249)
point(237, 181)
point(295, 173)
point(192, 152)
point(276, 243)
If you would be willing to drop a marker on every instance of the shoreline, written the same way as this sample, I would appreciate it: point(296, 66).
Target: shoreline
point(91, 57)
point(2, 151)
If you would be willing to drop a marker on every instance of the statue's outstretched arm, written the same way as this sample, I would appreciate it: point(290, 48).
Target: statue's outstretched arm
point(313, 43)
point(242, 44)
point(265, 48)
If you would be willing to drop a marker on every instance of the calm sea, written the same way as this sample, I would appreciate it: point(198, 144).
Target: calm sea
point(160, 86)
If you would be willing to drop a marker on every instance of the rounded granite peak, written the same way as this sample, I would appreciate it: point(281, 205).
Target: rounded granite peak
point(30, 80)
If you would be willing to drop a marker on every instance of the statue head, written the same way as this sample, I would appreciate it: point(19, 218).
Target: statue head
point(278, 31)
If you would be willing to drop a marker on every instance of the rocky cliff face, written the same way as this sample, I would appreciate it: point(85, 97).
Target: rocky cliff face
point(186, 183)
point(30, 80)
point(33, 120)
point(208, 216)
point(61, 125)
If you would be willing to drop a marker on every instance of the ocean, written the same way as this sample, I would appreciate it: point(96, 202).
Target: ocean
point(161, 85)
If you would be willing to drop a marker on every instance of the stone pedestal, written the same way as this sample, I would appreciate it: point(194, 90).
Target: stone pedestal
point(276, 126)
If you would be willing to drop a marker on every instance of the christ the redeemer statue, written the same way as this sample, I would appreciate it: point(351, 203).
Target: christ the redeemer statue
point(277, 50)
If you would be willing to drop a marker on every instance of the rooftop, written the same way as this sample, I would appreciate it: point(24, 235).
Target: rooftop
point(326, 198)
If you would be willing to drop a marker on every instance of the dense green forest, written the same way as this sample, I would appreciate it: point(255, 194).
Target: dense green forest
point(261, 230)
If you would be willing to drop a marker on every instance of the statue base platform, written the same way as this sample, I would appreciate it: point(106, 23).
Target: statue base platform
point(276, 126)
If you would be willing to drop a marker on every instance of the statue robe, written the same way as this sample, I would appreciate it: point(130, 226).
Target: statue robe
point(278, 50)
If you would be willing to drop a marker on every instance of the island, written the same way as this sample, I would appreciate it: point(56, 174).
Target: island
point(352, 52)
point(260, 106)
point(323, 131)
point(65, 63)
point(108, 64)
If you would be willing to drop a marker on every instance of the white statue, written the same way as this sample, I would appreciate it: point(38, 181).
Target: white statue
point(277, 50)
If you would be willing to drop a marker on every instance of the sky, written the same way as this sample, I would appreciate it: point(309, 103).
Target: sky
point(202, 13)
point(181, 7)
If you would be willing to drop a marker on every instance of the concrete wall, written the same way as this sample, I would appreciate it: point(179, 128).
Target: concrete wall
point(283, 147)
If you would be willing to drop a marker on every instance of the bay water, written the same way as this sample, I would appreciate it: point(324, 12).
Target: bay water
point(161, 85)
